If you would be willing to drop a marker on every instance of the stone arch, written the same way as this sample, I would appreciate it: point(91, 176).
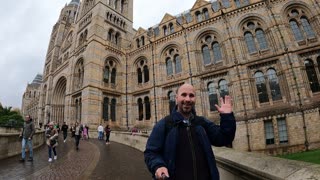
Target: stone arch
point(205, 32)
point(251, 17)
point(58, 100)
point(169, 45)
point(296, 4)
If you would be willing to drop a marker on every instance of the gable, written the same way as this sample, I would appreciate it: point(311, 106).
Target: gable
point(200, 3)
point(167, 17)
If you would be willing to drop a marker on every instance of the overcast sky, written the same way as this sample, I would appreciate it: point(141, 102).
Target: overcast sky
point(25, 31)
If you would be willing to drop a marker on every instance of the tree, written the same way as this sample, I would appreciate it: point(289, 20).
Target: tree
point(9, 117)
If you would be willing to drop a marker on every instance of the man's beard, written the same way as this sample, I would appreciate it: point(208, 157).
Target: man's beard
point(187, 110)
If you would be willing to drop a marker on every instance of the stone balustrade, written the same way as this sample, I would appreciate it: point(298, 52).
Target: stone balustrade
point(238, 165)
point(10, 143)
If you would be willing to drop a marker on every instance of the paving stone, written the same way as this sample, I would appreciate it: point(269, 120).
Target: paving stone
point(93, 160)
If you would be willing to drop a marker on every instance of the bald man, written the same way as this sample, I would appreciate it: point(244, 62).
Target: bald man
point(179, 146)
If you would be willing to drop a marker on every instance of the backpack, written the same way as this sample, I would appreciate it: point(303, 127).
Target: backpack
point(169, 124)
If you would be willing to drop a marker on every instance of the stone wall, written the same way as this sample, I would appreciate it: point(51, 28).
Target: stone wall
point(239, 165)
point(10, 143)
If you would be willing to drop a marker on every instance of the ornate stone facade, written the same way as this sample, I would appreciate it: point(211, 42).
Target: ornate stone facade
point(30, 99)
point(264, 53)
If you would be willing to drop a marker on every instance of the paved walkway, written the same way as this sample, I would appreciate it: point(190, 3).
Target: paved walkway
point(94, 160)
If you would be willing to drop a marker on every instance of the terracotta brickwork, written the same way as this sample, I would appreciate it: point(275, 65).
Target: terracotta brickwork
point(99, 69)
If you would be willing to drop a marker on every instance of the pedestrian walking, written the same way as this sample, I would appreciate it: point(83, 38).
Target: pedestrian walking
point(179, 146)
point(85, 132)
point(26, 135)
point(73, 130)
point(87, 127)
point(78, 132)
point(108, 131)
point(52, 135)
point(100, 132)
point(64, 130)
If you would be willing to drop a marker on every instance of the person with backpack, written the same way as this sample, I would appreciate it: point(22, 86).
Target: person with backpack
point(179, 146)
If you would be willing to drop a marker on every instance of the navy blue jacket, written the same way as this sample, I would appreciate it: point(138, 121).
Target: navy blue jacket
point(161, 151)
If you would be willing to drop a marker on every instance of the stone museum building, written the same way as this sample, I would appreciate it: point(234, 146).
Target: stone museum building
point(263, 53)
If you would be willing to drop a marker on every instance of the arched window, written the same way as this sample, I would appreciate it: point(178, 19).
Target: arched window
point(173, 61)
point(169, 67)
point(274, 85)
point(113, 75)
point(253, 33)
point(206, 55)
point(143, 71)
point(142, 40)
point(250, 42)
point(113, 109)
point(165, 30)
point(109, 74)
point(140, 109)
point(296, 30)
point(223, 88)
point(312, 76)
point(216, 52)
point(199, 16)
point(210, 43)
point(261, 87)
point(105, 111)
point(261, 39)
point(147, 107)
point(300, 25)
point(177, 63)
point(172, 101)
point(213, 97)
point(206, 14)
point(117, 38)
point(110, 32)
point(106, 74)
point(146, 73)
point(171, 28)
point(307, 28)
point(138, 43)
point(139, 75)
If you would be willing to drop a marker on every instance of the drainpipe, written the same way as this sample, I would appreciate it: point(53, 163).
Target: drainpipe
point(154, 83)
point(188, 56)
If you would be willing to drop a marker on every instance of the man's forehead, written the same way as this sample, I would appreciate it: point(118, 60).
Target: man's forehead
point(186, 89)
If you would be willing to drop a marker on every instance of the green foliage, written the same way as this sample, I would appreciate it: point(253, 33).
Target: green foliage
point(307, 156)
point(10, 118)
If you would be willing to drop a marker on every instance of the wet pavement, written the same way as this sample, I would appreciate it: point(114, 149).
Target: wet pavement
point(93, 160)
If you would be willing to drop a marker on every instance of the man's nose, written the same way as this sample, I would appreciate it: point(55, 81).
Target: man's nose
point(187, 98)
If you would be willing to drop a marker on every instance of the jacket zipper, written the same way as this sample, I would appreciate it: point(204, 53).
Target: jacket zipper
point(193, 154)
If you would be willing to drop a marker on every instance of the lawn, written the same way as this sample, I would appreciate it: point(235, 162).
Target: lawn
point(308, 156)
